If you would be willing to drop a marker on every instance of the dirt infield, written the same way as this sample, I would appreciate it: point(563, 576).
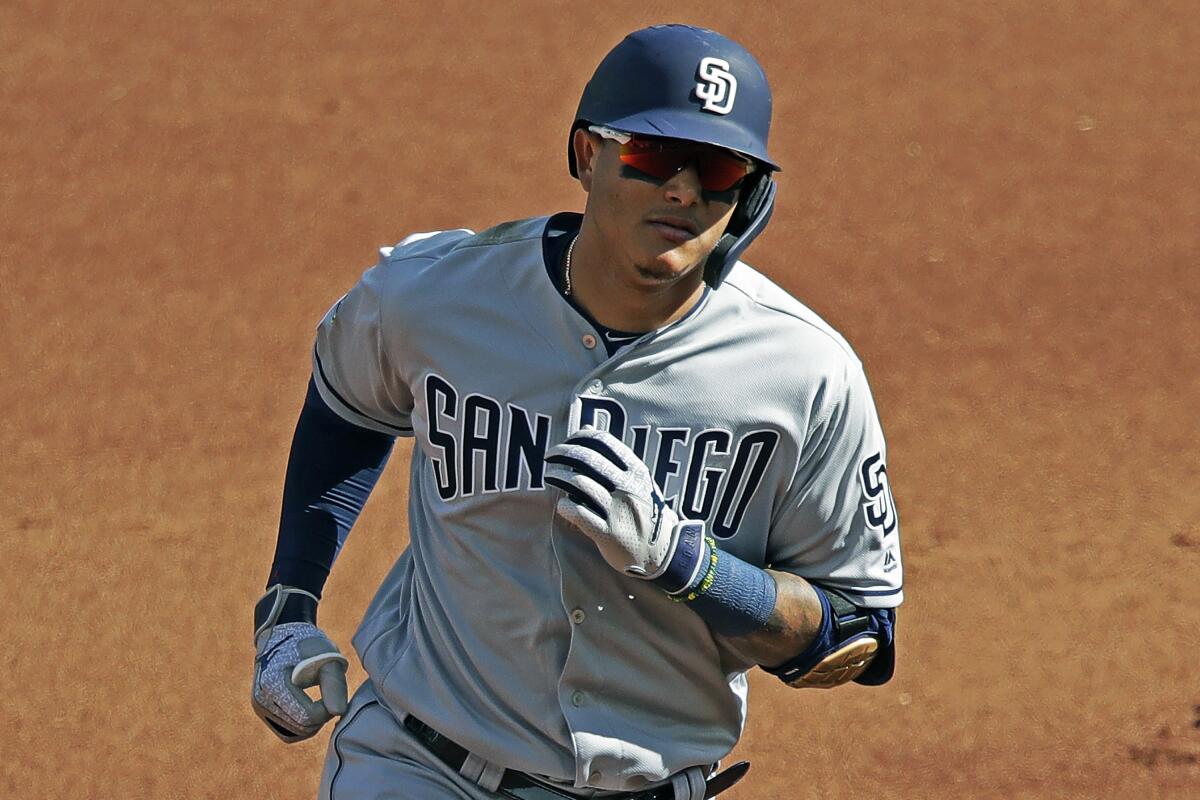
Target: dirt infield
point(999, 207)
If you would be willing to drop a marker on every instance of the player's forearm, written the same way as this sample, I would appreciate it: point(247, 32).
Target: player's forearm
point(792, 626)
point(331, 471)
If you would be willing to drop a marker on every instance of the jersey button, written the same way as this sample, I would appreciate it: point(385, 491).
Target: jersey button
point(595, 387)
point(596, 776)
point(577, 698)
point(577, 616)
point(589, 341)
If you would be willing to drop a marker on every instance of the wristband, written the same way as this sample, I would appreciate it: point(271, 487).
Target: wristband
point(735, 598)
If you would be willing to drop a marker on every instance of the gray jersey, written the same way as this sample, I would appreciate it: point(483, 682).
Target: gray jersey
point(502, 626)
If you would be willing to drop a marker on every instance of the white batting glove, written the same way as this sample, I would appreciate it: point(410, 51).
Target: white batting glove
point(610, 496)
point(291, 657)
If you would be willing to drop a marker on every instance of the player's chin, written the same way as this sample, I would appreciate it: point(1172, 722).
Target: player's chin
point(666, 268)
point(655, 274)
point(672, 263)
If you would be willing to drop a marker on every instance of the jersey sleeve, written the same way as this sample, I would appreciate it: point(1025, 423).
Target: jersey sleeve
point(354, 373)
point(838, 524)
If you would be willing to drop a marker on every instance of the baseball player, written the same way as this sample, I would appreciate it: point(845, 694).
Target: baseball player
point(641, 469)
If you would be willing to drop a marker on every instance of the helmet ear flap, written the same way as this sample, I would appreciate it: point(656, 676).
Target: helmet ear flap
point(749, 218)
point(754, 196)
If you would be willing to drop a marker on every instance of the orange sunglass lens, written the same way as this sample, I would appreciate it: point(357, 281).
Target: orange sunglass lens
point(718, 170)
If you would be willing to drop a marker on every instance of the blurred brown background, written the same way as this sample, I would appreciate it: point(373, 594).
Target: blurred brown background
point(999, 206)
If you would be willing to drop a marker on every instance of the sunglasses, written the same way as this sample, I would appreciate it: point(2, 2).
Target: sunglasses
point(719, 170)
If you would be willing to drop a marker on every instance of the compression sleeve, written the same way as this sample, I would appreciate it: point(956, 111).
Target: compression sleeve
point(331, 471)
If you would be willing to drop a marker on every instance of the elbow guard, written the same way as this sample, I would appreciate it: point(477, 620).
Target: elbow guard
point(853, 644)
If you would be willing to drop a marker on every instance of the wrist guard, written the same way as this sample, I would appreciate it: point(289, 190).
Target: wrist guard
point(845, 645)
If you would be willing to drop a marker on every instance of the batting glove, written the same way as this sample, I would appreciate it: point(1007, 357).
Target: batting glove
point(294, 656)
point(610, 497)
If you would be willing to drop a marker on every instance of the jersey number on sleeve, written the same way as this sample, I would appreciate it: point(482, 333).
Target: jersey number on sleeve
point(878, 504)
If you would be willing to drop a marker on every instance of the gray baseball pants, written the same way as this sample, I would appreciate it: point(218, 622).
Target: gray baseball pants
point(372, 756)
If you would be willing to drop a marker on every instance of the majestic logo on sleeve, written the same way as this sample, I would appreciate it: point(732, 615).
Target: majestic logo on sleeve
point(717, 87)
point(479, 445)
point(877, 502)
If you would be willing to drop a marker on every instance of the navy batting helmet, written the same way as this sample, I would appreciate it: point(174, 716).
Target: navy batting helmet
point(691, 83)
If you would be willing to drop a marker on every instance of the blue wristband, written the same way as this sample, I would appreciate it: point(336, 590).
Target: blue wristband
point(735, 598)
point(739, 598)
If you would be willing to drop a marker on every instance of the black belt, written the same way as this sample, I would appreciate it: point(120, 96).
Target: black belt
point(519, 786)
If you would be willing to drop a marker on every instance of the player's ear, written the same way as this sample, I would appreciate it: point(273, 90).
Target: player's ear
point(587, 150)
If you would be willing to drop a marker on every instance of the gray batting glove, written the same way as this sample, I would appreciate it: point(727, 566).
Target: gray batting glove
point(610, 496)
point(291, 657)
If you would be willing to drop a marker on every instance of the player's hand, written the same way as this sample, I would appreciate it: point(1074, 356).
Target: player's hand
point(292, 657)
point(610, 496)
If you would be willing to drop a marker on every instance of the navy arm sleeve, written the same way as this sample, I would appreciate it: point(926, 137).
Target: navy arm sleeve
point(331, 471)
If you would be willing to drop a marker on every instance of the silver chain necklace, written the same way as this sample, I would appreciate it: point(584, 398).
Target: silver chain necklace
point(567, 271)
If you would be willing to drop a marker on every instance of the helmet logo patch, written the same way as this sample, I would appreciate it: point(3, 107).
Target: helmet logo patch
point(717, 87)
